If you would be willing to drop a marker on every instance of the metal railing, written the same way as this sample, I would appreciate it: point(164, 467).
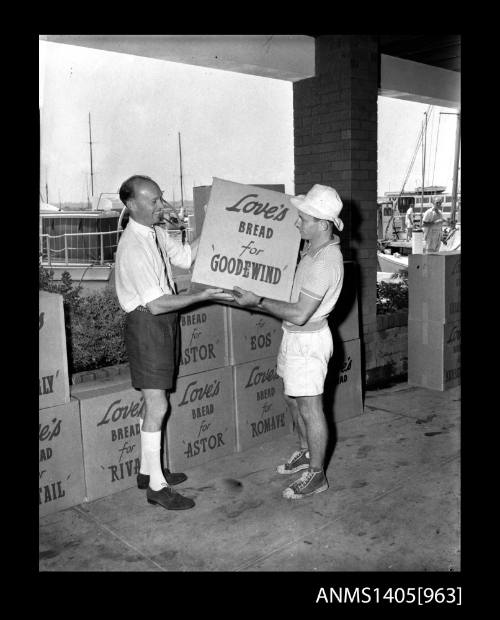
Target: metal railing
point(47, 249)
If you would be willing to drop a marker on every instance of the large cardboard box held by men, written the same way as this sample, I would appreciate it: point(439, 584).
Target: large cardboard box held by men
point(201, 426)
point(53, 380)
point(261, 411)
point(434, 287)
point(201, 196)
point(110, 412)
point(61, 478)
point(434, 356)
point(249, 239)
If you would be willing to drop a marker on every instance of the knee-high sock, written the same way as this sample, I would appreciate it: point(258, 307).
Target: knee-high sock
point(150, 449)
point(144, 466)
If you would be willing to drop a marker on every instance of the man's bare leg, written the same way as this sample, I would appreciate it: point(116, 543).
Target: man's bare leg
point(311, 412)
point(298, 421)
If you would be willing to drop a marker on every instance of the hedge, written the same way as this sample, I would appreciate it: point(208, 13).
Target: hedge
point(393, 296)
point(94, 324)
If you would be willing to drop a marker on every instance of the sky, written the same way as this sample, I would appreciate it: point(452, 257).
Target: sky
point(399, 126)
point(233, 126)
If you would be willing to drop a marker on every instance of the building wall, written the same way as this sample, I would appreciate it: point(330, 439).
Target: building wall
point(335, 131)
point(386, 350)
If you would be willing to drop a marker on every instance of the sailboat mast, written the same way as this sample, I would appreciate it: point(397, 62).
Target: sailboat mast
point(91, 167)
point(180, 165)
point(424, 147)
point(455, 172)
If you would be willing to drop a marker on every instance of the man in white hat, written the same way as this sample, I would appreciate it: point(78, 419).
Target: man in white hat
point(432, 223)
point(307, 344)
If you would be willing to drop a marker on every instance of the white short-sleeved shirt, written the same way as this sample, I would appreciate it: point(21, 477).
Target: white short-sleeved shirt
point(139, 269)
point(430, 217)
point(409, 215)
point(319, 275)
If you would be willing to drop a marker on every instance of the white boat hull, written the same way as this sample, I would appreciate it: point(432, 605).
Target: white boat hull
point(391, 263)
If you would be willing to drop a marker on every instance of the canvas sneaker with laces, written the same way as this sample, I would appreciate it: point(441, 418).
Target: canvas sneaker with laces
point(309, 483)
point(299, 460)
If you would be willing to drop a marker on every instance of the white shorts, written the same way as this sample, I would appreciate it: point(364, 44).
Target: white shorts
point(303, 361)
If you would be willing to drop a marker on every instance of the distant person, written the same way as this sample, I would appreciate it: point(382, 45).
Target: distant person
point(307, 344)
point(146, 292)
point(432, 223)
point(409, 218)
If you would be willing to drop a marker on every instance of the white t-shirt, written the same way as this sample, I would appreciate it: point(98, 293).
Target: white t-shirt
point(319, 275)
point(430, 217)
point(409, 215)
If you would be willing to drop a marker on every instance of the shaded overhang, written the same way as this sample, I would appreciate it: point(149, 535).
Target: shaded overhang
point(283, 57)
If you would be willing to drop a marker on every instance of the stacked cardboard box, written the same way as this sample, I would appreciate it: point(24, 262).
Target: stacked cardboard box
point(61, 475)
point(201, 426)
point(109, 412)
point(252, 335)
point(434, 320)
point(261, 410)
point(53, 380)
point(204, 342)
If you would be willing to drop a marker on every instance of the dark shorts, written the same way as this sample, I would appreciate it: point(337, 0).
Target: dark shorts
point(153, 348)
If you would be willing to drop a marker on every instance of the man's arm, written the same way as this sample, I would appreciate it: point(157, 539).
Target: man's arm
point(297, 313)
point(172, 303)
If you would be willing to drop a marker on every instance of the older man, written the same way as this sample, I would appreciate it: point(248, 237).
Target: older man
point(307, 344)
point(432, 223)
point(146, 292)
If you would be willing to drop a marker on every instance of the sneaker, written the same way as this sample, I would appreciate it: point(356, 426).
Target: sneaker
point(309, 483)
point(299, 460)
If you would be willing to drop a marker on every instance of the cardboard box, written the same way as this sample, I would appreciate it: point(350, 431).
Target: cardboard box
point(249, 239)
point(343, 396)
point(201, 426)
point(434, 287)
point(434, 359)
point(252, 335)
point(344, 318)
point(201, 196)
point(53, 380)
point(110, 415)
point(204, 341)
point(183, 282)
point(262, 413)
point(61, 477)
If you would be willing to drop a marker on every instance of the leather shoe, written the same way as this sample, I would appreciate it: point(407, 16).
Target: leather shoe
point(171, 478)
point(169, 499)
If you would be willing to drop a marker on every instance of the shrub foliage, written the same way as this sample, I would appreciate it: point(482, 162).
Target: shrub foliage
point(94, 323)
point(393, 296)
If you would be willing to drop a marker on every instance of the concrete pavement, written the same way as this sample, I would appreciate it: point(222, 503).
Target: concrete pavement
point(393, 505)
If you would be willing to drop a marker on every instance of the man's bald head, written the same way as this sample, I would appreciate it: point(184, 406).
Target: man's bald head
point(143, 198)
point(129, 187)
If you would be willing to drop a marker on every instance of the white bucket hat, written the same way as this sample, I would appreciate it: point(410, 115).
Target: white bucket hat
point(322, 202)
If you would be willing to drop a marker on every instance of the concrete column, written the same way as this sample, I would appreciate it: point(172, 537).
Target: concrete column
point(335, 131)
